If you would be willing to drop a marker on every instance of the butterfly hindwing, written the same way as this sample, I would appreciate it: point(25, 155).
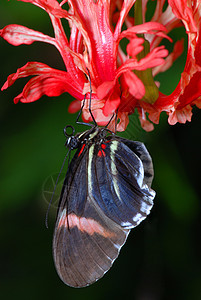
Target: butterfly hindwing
point(140, 150)
point(118, 184)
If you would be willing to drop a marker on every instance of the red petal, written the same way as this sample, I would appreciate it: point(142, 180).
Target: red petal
point(74, 106)
point(182, 11)
point(42, 85)
point(146, 124)
point(123, 123)
point(148, 27)
point(192, 91)
point(104, 89)
point(91, 18)
point(135, 46)
point(180, 116)
point(177, 51)
point(111, 104)
point(198, 50)
point(17, 35)
point(48, 81)
point(31, 68)
point(135, 85)
point(123, 14)
point(153, 59)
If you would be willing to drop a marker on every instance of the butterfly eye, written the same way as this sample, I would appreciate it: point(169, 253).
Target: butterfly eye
point(69, 131)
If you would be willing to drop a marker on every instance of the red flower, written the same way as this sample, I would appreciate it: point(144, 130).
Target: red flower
point(179, 104)
point(119, 80)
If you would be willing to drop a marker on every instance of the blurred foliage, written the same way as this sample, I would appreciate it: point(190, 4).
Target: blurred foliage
point(161, 259)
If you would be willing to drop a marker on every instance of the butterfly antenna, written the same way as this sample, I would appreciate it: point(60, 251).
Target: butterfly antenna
point(90, 111)
point(78, 122)
point(48, 209)
point(116, 119)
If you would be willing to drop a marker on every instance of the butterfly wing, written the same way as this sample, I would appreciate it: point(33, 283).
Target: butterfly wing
point(86, 241)
point(119, 184)
point(141, 151)
point(105, 193)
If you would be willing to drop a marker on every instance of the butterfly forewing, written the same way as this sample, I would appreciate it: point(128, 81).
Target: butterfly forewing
point(105, 193)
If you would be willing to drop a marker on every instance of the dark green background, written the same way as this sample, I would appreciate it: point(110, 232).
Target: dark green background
point(161, 258)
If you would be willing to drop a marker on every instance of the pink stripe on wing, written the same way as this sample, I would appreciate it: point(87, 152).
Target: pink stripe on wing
point(87, 225)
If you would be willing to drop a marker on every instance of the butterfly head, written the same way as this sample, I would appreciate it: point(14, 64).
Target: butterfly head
point(72, 140)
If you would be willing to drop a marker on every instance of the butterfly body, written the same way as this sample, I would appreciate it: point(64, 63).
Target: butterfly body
point(106, 192)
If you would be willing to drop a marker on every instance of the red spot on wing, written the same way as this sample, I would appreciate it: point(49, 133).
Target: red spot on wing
point(87, 225)
point(81, 150)
point(101, 153)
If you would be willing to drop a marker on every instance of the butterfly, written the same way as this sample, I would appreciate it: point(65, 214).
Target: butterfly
point(106, 192)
